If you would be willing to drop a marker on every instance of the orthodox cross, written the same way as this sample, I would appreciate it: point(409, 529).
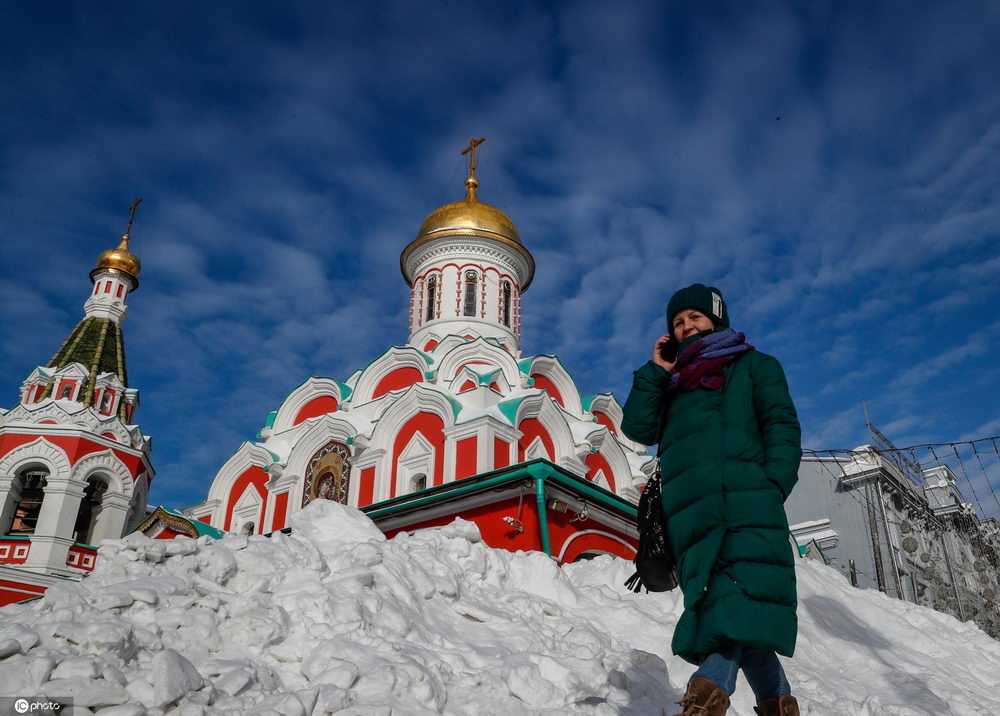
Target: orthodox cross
point(471, 149)
point(131, 215)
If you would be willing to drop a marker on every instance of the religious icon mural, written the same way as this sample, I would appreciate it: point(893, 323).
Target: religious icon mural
point(328, 474)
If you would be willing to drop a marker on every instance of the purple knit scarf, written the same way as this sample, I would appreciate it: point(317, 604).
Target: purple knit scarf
point(701, 364)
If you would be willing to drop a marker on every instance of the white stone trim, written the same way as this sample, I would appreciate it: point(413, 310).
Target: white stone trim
point(478, 350)
point(577, 535)
point(107, 463)
point(314, 387)
point(550, 367)
point(394, 358)
point(37, 451)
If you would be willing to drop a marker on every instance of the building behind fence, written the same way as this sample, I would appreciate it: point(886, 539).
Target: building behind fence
point(896, 520)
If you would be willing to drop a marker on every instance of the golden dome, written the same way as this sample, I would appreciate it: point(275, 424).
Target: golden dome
point(120, 258)
point(469, 217)
point(470, 213)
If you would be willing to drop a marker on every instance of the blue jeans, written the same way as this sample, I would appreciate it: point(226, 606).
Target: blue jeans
point(761, 668)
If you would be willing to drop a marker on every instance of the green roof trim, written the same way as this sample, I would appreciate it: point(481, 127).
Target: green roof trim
point(269, 420)
point(509, 408)
point(586, 402)
point(345, 390)
point(540, 468)
point(202, 528)
point(525, 365)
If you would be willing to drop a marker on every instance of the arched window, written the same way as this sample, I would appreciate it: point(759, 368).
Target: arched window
point(106, 402)
point(470, 293)
point(431, 297)
point(419, 482)
point(25, 502)
point(506, 303)
point(90, 508)
point(247, 529)
point(66, 392)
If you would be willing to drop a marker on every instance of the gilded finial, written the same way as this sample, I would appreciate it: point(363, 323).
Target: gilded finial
point(120, 257)
point(131, 218)
point(471, 184)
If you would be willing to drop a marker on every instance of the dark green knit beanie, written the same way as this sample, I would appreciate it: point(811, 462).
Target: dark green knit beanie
point(700, 297)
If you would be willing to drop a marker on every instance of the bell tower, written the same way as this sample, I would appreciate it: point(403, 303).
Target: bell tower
point(467, 269)
point(74, 466)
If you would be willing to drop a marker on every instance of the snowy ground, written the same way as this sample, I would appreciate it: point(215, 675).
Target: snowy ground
point(336, 619)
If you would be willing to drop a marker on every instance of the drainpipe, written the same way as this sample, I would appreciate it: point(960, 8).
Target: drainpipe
point(951, 573)
point(543, 518)
point(888, 539)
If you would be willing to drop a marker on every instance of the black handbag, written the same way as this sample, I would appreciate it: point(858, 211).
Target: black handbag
point(654, 562)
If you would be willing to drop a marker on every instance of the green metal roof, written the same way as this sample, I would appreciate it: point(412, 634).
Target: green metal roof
point(202, 528)
point(99, 345)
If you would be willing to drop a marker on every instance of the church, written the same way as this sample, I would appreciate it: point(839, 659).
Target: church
point(455, 423)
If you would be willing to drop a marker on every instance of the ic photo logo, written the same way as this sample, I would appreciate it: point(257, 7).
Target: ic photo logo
point(40, 705)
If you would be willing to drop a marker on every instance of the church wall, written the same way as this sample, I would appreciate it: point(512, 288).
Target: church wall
point(465, 458)
point(431, 427)
point(489, 519)
point(604, 419)
point(532, 428)
point(252, 476)
point(316, 407)
point(398, 379)
point(75, 448)
point(543, 383)
point(596, 462)
point(366, 487)
point(501, 453)
point(280, 516)
point(11, 591)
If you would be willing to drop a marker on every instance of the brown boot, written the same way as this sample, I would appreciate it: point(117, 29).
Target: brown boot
point(704, 698)
point(784, 705)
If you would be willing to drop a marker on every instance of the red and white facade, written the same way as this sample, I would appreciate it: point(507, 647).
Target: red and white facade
point(74, 468)
point(459, 400)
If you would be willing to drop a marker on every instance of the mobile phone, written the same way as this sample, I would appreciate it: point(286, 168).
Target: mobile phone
point(668, 350)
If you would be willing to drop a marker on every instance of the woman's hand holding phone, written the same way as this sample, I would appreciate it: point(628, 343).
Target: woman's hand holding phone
point(665, 351)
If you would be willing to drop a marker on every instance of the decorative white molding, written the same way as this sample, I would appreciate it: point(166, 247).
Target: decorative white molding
point(463, 249)
point(39, 451)
point(550, 367)
point(394, 358)
point(326, 428)
point(247, 456)
point(478, 350)
point(74, 413)
point(314, 387)
point(572, 538)
point(106, 463)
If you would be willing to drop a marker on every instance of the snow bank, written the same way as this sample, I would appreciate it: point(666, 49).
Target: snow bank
point(336, 618)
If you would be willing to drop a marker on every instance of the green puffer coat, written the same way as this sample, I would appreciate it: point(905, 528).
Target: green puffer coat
point(728, 460)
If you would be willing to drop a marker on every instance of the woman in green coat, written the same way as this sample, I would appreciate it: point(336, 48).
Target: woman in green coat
point(729, 446)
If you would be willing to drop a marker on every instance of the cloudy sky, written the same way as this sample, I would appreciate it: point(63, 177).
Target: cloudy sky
point(833, 167)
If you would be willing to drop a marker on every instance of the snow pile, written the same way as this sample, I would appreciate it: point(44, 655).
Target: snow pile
point(336, 618)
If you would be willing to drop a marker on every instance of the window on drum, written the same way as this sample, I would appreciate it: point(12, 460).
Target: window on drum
point(506, 304)
point(470, 293)
point(431, 297)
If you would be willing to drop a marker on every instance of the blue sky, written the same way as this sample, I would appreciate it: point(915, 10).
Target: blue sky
point(832, 167)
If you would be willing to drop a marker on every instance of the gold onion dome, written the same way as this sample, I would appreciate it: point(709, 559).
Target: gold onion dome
point(120, 258)
point(469, 217)
point(469, 214)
